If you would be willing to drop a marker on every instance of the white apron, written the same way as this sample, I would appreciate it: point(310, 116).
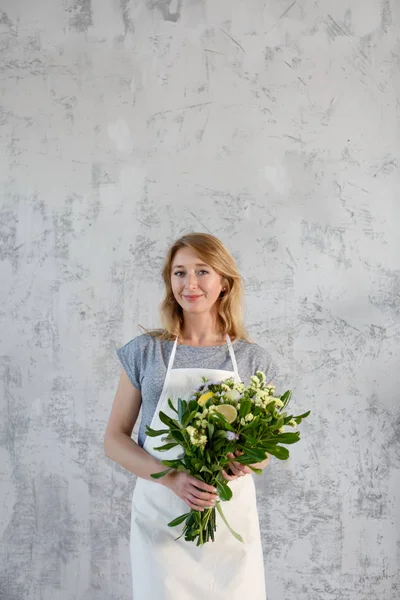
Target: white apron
point(165, 569)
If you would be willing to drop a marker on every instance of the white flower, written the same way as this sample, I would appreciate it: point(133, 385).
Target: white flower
point(292, 423)
point(249, 417)
point(242, 421)
point(282, 430)
point(240, 387)
point(255, 381)
point(232, 395)
point(258, 398)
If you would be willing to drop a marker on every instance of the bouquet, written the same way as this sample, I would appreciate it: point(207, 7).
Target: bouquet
point(223, 417)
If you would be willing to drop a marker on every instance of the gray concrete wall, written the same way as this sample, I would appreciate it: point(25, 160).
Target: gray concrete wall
point(273, 125)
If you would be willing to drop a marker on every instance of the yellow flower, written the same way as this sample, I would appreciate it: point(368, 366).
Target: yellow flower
point(197, 437)
point(204, 398)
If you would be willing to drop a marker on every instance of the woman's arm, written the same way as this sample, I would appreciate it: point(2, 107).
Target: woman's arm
point(118, 444)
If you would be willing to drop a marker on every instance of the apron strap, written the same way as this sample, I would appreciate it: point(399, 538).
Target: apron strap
point(172, 357)
point(233, 357)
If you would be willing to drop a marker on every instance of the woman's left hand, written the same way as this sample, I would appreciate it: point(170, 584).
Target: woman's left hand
point(237, 469)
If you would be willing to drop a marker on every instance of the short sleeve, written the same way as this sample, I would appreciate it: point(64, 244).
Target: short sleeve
point(267, 365)
point(130, 357)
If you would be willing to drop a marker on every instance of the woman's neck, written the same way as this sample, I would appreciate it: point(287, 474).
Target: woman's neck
point(201, 330)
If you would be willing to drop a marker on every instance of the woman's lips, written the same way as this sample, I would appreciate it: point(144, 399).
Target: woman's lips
point(193, 298)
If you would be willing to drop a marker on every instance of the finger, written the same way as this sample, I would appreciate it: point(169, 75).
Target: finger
point(236, 468)
point(202, 495)
point(194, 506)
point(202, 486)
point(200, 502)
point(244, 469)
point(228, 477)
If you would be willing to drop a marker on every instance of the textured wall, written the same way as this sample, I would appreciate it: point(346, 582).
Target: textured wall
point(271, 124)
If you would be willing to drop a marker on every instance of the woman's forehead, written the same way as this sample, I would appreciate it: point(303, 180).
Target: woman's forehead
point(186, 257)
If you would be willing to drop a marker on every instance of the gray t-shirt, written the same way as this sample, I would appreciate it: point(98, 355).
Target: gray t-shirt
point(145, 360)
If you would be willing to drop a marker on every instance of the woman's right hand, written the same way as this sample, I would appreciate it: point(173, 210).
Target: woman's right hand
point(194, 492)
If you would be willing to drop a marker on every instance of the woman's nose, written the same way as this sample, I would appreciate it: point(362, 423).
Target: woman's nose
point(192, 281)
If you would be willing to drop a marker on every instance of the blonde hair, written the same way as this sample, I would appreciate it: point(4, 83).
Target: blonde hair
point(229, 305)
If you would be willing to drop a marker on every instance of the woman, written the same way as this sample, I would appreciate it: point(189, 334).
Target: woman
point(202, 335)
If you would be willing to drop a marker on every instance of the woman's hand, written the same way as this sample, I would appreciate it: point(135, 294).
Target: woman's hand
point(197, 494)
point(237, 469)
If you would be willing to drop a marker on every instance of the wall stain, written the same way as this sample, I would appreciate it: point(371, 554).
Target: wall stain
point(81, 14)
point(164, 8)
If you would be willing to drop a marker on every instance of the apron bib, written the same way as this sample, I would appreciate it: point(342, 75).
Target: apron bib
point(165, 569)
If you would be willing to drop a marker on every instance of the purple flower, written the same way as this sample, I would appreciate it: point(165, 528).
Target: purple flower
point(231, 435)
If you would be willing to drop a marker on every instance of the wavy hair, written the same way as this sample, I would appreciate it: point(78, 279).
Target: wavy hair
point(229, 305)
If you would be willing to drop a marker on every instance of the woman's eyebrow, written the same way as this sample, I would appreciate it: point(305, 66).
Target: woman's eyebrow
point(197, 265)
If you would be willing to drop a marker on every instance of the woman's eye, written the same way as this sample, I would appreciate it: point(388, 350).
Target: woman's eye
point(179, 273)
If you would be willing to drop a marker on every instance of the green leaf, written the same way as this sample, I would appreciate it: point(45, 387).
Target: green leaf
point(160, 474)
point(279, 452)
point(172, 407)
point(245, 407)
point(224, 491)
point(251, 455)
point(300, 417)
point(189, 416)
point(210, 428)
point(249, 439)
point(258, 471)
point(286, 397)
point(221, 433)
point(181, 408)
point(178, 520)
point(177, 435)
point(287, 438)
point(253, 424)
point(172, 463)
point(222, 422)
point(166, 419)
point(236, 535)
point(205, 469)
point(155, 432)
point(166, 447)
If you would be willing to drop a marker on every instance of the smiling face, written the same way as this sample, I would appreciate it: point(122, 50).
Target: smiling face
point(195, 285)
